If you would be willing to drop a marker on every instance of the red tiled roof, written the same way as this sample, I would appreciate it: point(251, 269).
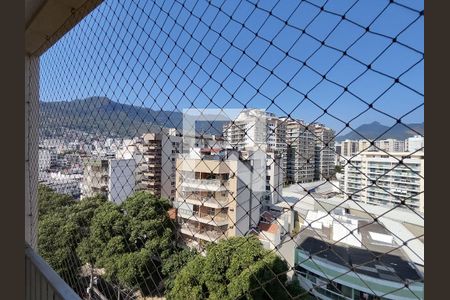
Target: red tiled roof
point(272, 228)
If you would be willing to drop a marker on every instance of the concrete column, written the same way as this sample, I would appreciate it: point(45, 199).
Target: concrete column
point(31, 147)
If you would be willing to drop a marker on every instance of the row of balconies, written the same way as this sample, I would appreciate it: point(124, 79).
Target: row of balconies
point(214, 202)
point(218, 219)
point(204, 184)
point(204, 234)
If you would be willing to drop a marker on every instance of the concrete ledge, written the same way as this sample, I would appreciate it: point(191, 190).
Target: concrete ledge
point(51, 20)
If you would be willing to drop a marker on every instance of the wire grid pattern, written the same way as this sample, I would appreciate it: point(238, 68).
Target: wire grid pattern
point(165, 56)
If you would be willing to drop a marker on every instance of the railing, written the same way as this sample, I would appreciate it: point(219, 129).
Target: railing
point(206, 201)
point(212, 183)
point(217, 219)
point(42, 282)
point(160, 60)
point(209, 235)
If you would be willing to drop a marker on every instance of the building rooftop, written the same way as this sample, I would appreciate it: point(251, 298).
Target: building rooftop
point(368, 246)
point(269, 227)
point(392, 267)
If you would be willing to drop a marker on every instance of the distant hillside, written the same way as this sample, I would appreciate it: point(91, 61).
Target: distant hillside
point(375, 129)
point(100, 115)
point(104, 116)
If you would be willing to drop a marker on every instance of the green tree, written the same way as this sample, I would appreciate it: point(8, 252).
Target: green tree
point(235, 268)
point(50, 202)
point(130, 241)
point(57, 244)
point(174, 263)
point(63, 223)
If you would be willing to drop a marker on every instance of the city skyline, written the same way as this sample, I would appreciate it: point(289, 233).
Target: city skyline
point(143, 72)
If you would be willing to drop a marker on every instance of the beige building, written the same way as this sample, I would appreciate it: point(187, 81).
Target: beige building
point(378, 178)
point(391, 145)
point(158, 166)
point(218, 194)
point(160, 150)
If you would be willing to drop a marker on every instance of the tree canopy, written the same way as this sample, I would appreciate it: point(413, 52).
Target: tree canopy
point(63, 223)
point(174, 263)
point(235, 268)
point(134, 243)
point(130, 241)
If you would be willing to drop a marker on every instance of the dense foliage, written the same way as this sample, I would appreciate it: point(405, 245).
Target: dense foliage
point(63, 223)
point(130, 241)
point(172, 265)
point(134, 244)
point(235, 268)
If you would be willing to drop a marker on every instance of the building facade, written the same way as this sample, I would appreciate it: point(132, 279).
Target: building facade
point(274, 178)
point(255, 128)
point(217, 195)
point(378, 178)
point(157, 169)
point(301, 147)
point(415, 143)
point(108, 177)
point(391, 145)
point(349, 148)
point(324, 152)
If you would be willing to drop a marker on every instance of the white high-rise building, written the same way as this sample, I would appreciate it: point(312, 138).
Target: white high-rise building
point(324, 152)
point(415, 143)
point(301, 143)
point(378, 178)
point(260, 129)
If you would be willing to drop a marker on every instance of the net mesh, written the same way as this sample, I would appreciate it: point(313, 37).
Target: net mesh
point(233, 149)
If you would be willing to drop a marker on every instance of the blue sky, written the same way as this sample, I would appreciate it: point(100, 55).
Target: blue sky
point(270, 55)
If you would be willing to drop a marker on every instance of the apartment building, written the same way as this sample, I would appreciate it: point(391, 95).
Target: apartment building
point(158, 166)
point(258, 128)
point(415, 143)
point(391, 145)
point(349, 148)
point(219, 193)
point(335, 260)
point(378, 178)
point(274, 179)
point(160, 150)
point(109, 177)
point(67, 184)
point(324, 152)
point(301, 146)
point(366, 145)
point(95, 177)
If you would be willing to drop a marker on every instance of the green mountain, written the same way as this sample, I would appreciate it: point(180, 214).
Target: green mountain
point(105, 117)
point(102, 116)
point(375, 130)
